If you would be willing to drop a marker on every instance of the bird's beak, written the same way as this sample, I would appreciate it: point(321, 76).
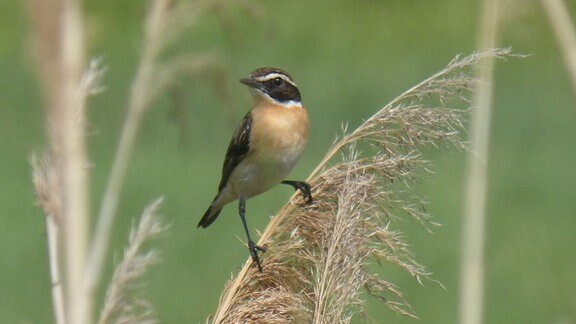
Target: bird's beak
point(250, 82)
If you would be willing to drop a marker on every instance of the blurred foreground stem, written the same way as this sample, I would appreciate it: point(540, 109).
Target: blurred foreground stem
point(142, 92)
point(472, 272)
point(565, 33)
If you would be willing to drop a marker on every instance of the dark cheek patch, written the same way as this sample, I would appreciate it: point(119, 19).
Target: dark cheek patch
point(285, 93)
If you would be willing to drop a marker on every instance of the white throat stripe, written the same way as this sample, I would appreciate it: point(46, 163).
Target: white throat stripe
point(287, 104)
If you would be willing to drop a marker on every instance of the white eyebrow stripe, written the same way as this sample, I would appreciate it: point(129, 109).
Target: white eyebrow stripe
point(271, 76)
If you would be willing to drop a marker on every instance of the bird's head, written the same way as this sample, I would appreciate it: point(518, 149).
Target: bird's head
point(274, 85)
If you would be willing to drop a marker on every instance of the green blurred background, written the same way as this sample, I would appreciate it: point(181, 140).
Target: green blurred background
point(349, 58)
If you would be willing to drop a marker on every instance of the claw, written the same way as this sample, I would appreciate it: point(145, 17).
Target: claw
point(307, 193)
point(303, 187)
point(254, 253)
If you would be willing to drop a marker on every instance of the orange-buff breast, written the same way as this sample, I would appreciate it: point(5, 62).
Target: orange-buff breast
point(279, 134)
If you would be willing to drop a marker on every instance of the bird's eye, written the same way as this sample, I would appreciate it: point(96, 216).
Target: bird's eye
point(278, 81)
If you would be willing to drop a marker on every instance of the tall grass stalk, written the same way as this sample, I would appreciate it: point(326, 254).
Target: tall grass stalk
point(165, 21)
point(45, 178)
point(473, 231)
point(319, 256)
point(142, 92)
point(60, 57)
point(565, 33)
point(69, 107)
point(61, 177)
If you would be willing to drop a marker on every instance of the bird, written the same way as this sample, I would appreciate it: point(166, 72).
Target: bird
point(264, 148)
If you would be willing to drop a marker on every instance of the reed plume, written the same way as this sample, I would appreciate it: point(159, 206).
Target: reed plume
point(319, 256)
point(124, 303)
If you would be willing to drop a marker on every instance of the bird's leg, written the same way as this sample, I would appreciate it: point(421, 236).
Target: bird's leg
point(304, 187)
point(251, 245)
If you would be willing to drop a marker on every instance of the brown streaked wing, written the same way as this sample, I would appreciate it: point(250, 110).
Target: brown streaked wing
point(237, 149)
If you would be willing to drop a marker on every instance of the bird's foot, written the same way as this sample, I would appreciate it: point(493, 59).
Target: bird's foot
point(254, 253)
point(304, 188)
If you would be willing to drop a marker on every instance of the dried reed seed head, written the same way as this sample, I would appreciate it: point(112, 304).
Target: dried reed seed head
point(339, 273)
point(350, 225)
point(47, 186)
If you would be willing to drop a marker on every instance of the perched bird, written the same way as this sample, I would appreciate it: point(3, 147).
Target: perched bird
point(265, 147)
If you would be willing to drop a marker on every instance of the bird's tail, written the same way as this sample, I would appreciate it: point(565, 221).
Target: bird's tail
point(209, 216)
